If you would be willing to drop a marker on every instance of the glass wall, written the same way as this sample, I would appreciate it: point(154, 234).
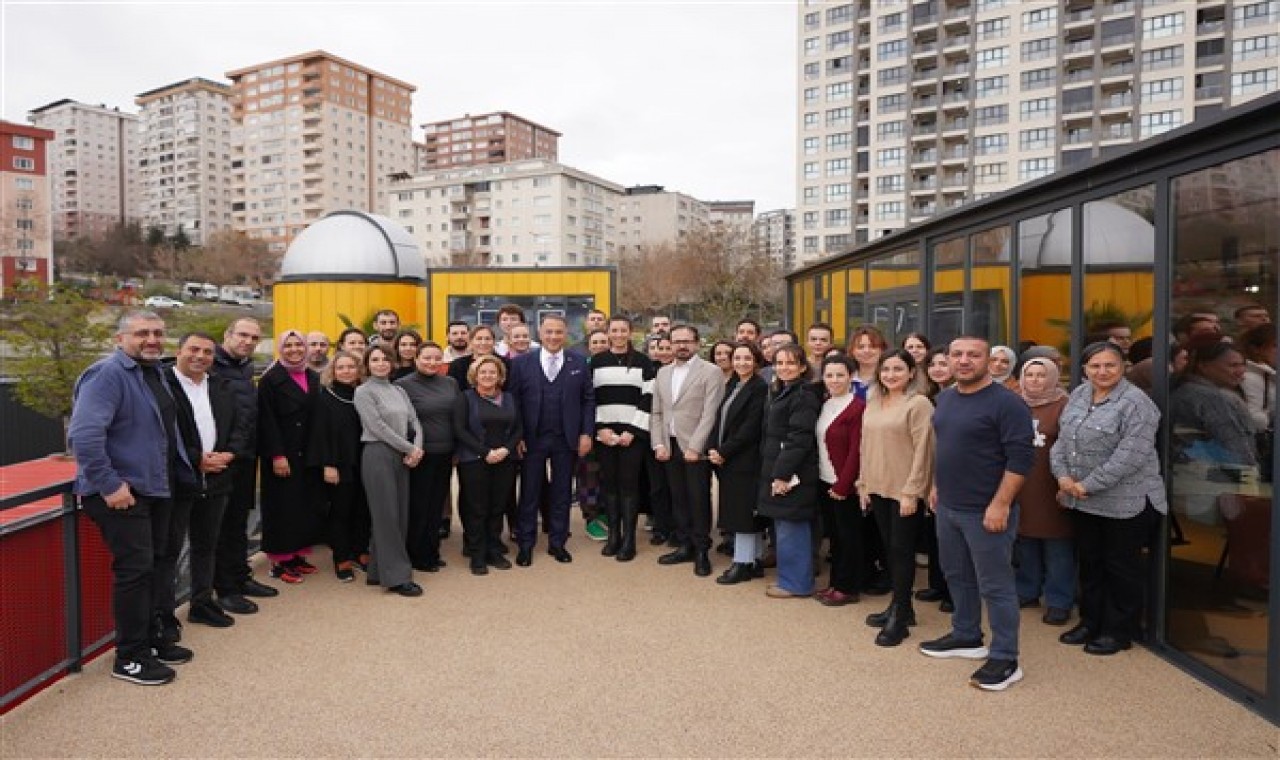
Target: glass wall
point(991, 282)
point(1226, 245)
point(893, 304)
point(1119, 268)
point(1044, 280)
point(947, 320)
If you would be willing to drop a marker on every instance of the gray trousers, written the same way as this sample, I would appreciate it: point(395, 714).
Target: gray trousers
point(386, 484)
point(979, 568)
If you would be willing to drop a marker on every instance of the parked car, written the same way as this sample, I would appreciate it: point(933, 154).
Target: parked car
point(163, 302)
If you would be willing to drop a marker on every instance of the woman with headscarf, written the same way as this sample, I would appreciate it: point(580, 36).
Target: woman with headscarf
point(291, 523)
point(1046, 560)
point(1002, 363)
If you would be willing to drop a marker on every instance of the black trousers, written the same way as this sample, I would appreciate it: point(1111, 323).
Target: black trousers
point(659, 494)
point(898, 536)
point(1112, 571)
point(231, 560)
point(206, 516)
point(483, 493)
point(620, 468)
point(429, 485)
point(846, 540)
point(349, 524)
point(167, 550)
point(937, 579)
point(690, 484)
point(131, 535)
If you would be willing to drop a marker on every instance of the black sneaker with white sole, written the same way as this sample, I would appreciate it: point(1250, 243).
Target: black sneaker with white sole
point(952, 646)
point(172, 653)
point(996, 675)
point(146, 671)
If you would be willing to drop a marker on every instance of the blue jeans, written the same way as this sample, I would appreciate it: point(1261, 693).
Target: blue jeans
point(795, 556)
point(1048, 565)
point(979, 567)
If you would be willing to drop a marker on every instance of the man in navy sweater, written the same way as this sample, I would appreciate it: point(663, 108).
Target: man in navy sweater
point(984, 452)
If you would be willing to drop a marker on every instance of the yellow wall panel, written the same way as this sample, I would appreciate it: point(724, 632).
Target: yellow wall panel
point(515, 282)
point(307, 306)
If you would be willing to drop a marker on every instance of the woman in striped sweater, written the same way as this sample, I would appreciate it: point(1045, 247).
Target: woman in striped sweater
point(623, 380)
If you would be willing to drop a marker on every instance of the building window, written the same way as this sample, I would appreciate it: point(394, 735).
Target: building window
point(985, 145)
point(24, 143)
point(1253, 82)
point(839, 117)
point(889, 158)
point(993, 29)
point(839, 65)
point(812, 20)
point(991, 115)
point(810, 220)
point(1150, 124)
point(1163, 26)
point(837, 40)
point(24, 164)
point(811, 46)
point(1035, 50)
point(1255, 47)
point(810, 96)
point(1267, 12)
point(989, 174)
point(890, 22)
point(1034, 168)
point(893, 183)
point(839, 91)
point(811, 120)
point(1162, 58)
point(1036, 139)
point(838, 192)
point(839, 217)
point(1042, 18)
point(838, 167)
point(887, 104)
point(891, 50)
point(991, 5)
point(992, 57)
point(888, 211)
point(989, 87)
point(839, 141)
point(840, 14)
point(1037, 79)
point(810, 169)
point(1038, 108)
point(1162, 89)
point(891, 76)
point(810, 146)
point(812, 71)
point(811, 196)
point(891, 129)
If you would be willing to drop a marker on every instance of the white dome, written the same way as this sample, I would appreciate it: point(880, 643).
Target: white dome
point(1114, 236)
point(353, 244)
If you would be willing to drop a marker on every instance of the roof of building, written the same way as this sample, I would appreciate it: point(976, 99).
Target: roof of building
point(234, 73)
point(353, 245)
point(193, 82)
point(24, 130)
point(505, 114)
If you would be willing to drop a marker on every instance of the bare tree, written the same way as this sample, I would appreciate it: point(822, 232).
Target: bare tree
point(230, 257)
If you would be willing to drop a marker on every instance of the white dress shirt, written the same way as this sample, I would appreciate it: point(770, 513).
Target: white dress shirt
point(198, 395)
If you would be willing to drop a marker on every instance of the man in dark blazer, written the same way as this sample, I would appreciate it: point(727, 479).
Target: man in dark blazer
point(215, 432)
point(553, 389)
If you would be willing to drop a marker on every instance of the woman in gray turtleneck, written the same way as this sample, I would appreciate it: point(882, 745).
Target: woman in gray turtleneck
point(434, 396)
point(392, 446)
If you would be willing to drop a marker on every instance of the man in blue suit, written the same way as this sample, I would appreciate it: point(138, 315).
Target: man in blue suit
point(557, 400)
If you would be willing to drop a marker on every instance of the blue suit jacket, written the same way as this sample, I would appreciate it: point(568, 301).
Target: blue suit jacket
point(574, 382)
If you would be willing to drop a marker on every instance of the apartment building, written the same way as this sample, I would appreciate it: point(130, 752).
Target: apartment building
point(93, 163)
point(314, 133)
point(184, 164)
point(773, 235)
point(26, 211)
point(492, 138)
point(735, 215)
point(523, 213)
point(650, 215)
point(906, 109)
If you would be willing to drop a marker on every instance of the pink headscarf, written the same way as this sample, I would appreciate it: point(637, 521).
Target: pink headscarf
point(297, 370)
point(1050, 394)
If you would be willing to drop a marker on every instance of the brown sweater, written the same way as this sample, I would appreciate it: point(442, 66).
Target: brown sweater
point(897, 448)
point(1041, 516)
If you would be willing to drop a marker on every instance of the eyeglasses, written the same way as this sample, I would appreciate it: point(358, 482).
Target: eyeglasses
point(247, 336)
point(156, 333)
point(684, 341)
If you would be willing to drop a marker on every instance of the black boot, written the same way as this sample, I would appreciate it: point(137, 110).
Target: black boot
point(628, 519)
point(896, 626)
point(683, 554)
point(881, 619)
point(738, 572)
point(614, 542)
point(702, 564)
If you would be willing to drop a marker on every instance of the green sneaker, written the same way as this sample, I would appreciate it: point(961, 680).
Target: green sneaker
point(598, 529)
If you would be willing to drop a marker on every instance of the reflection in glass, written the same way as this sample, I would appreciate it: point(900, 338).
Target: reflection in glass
point(947, 321)
point(483, 310)
point(1044, 271)
point(894, 305)
point(1119, 261)
point(1228, 228)
point(990, 280)
point(855, 305)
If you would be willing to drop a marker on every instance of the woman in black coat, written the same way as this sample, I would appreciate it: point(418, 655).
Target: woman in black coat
point(335, 452)
point(291, 520)
point(789, 475)
point(734, 449)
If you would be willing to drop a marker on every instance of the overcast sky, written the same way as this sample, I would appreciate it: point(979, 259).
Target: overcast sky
point(695, 96)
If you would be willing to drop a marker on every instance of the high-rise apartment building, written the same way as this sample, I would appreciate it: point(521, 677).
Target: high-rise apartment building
point(909, 109)
point(650, 215)
point(93, 162)
point(26, 214)
point(184, 165)
point(492, 138)
point(524, 213)
point(773, 235)
point(314, 133)
point(735, 215)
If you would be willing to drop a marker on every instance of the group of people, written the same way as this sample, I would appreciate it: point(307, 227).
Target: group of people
point(974, 454)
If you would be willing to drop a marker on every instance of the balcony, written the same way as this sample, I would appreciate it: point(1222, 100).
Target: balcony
point(927, 185)
point(1119, 100)
point(1082, 16)
point(1118, 9)
point(1078, 75)
point(1210, 27)
point(924, 157)
point(1117, 132)
point(956, 153)
point(928, 101)
point(928, 49)
point(1118, 40)
point(1078, 136)
point(1118, 70)
point(955, 182)
point(1209, 92)
point(924, 131)
point(955, 125)
point(1078, 48)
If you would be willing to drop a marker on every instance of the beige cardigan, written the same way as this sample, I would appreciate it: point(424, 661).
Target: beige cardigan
point(897, 448)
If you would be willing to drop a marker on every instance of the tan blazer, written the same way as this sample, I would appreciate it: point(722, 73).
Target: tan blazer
point(693, 413)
